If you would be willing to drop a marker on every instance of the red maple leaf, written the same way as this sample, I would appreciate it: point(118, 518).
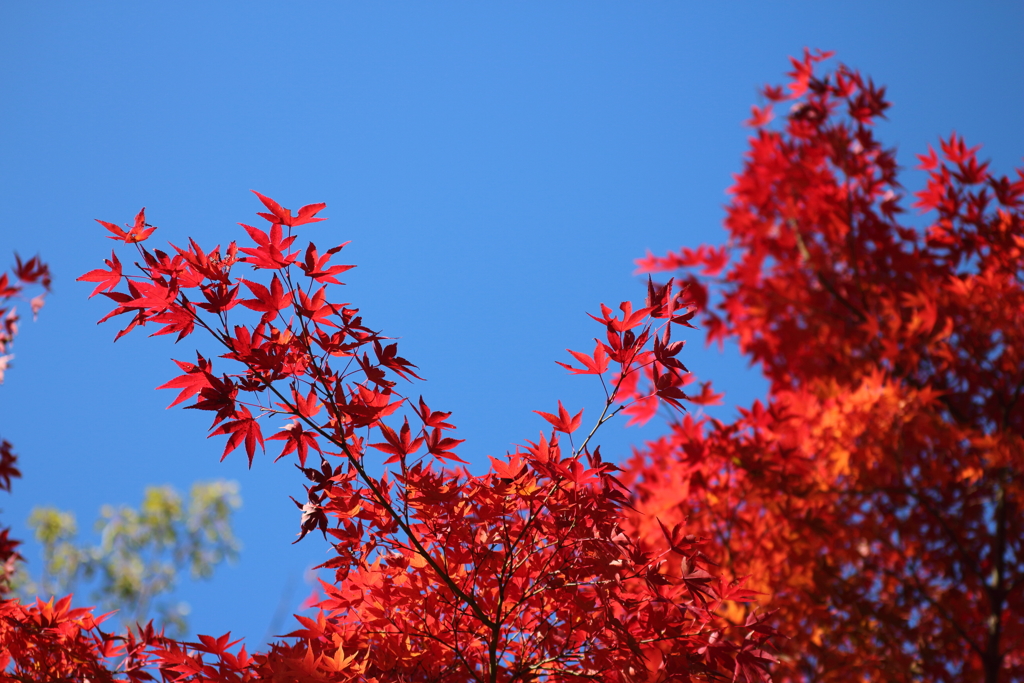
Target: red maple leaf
point(195, 379)
point(271, 247)
point(563, 422)
point(511, 470)
point(244, 429)
point(267, 301)
point(180, 319)
point(440, 446)
point(152, 297)
point(298, 439)
point(315, 266)
point(592, 365)
point(32, 271)
point(140, 231)
point(220, 297)
point(398, 445)
point(303, 406)
point(432, 418)
point(107, 279)
point(282, 216)
point(316, 308)
point(388, 357)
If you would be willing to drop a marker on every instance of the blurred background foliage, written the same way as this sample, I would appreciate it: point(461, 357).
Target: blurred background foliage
point(141, 555)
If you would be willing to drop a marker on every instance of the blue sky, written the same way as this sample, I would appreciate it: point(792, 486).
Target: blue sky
point(497, 166)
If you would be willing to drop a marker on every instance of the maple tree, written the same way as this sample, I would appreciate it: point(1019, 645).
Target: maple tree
point(875, 495)
point(871, 504)
point(523, 573)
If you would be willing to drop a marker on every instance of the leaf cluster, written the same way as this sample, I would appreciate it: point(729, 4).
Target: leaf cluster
point(526, 572)
point(875, 495)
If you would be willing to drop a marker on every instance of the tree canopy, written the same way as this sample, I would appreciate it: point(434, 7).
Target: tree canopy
point(861, 523)
point(874, 496)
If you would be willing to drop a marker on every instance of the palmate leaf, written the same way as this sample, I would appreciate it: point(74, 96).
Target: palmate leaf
point(196, 378)
point(139, 231)
point(268, 301)
point(245, 430)
point(563, 422)
point(297, 440)
point(595, 364)
point(281, 216)
point(107, 279)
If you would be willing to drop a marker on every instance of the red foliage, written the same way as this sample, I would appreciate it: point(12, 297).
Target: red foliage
point(875, 496)
point(52, 642)
point(872, 503)
point(522, 573)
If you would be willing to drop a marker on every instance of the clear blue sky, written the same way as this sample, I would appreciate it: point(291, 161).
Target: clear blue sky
point(497, 166)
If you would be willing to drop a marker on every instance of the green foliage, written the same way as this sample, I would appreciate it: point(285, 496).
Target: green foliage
point(141, 552)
